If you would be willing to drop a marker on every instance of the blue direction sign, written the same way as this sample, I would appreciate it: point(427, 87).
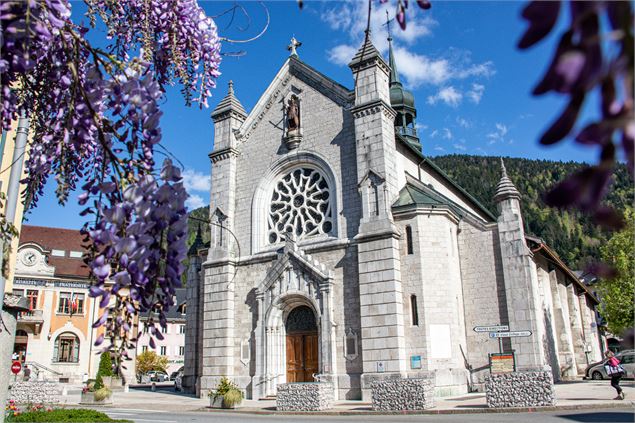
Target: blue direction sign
point(514, 334)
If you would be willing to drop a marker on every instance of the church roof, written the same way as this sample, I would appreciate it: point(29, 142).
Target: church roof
point(538, 246)
point(366, 52)
point(197, 244)
point(505, 188)
point(399, 96)
point(416, 193)
point(436, 169)
point(229, 104)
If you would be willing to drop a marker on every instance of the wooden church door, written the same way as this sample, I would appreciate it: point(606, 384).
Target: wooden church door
point(302, 345)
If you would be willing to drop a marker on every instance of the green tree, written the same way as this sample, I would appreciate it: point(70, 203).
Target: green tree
point(617, 293)
point(149, 361)
point(105, 365)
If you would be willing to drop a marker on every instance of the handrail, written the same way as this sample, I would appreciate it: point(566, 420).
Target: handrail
point(43, 367)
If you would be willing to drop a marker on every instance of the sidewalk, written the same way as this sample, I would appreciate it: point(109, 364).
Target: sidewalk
point(572, 395)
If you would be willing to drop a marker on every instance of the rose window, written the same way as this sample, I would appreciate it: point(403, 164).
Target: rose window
point(300, 204)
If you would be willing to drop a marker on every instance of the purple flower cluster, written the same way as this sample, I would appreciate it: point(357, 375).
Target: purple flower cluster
point(95, 122)
point(176, 36)
point(141, 240)
point(402, 6)
point(594, 54)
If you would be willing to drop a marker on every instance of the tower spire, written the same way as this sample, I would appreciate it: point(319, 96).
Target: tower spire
point(394, 74)
point(505, 188)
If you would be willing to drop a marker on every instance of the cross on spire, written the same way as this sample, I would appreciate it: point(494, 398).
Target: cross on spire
point(293, 46)
point(388, 26)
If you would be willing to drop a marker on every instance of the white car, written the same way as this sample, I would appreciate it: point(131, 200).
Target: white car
point(597, 371)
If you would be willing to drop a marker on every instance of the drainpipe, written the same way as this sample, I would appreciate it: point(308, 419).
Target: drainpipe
point(13, 190)
point(8, 316)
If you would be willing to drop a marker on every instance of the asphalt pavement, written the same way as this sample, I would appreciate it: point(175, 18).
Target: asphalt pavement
point(586, 416)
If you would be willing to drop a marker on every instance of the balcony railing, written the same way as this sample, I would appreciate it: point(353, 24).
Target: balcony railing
point(407, 131)
point(31, 316)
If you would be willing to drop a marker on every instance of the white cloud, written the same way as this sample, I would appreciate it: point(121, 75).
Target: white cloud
point(416, 69)
point(196, 181)
point(463, 123)
point(497, 135)
point(449, 95)
point(342, 54)
point(459, 147)
point(439, 148)
point(476, 93)
point(434, 134)
point(194, 202)
point(447, 134)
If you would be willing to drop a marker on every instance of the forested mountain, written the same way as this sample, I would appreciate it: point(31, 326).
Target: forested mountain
point(573, 235)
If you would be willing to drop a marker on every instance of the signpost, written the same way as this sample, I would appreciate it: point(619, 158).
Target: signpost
point(514, 334)
point(501, 362)
point(492, 328)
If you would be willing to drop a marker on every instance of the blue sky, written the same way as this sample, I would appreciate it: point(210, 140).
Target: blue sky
point(471, 85)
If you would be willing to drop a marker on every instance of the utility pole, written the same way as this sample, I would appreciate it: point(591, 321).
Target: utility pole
point(9, 313)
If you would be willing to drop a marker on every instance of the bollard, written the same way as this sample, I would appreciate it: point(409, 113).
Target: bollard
point(154, 387)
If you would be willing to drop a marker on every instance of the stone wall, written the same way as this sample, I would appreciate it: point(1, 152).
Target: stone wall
point(402, 394)
point(520, 389)
point(35, 392)
point(305, 396)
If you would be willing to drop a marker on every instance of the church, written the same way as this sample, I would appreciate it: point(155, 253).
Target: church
point(339, 252)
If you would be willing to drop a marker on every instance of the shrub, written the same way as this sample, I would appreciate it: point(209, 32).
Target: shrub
point(99, 383)
point(102, 394)
point(70, 415)
point(230, 392)
point(105, 364)
point(149, 361)
point(233, 397)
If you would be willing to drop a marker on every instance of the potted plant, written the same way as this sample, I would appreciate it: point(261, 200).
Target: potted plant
point(226, 395)
point(95, 393)
point(105, 369)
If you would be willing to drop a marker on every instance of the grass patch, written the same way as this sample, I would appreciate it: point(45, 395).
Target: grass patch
point(63, 415)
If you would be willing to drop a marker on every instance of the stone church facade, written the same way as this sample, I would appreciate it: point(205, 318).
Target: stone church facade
point(340, 253)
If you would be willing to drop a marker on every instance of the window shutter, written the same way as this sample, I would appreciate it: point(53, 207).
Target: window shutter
point(76, 350)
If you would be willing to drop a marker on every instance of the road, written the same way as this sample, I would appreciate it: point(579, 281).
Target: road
point(586, 416)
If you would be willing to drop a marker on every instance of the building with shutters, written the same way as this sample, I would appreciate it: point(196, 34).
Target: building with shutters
point(55, 336)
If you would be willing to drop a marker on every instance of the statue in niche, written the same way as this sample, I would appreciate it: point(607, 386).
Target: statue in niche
point(293, 115)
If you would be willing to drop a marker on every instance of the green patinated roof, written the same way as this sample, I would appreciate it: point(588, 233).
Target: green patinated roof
point(412, 195)
point(445, 176)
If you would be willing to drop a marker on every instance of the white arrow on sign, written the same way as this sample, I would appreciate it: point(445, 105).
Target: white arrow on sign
point(515, 334)
point(493, 328)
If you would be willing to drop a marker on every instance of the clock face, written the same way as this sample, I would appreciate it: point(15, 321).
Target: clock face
point(29, 258)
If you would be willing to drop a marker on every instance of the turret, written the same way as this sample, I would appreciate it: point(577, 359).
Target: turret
point(403, 101)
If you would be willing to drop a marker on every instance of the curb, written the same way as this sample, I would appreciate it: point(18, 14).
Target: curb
point(622, 405)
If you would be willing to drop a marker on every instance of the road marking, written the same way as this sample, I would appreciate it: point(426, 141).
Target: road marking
point(139, 409)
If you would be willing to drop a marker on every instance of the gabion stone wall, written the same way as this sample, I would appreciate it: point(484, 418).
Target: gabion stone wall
point(402, 394)
point(310, 396)
point(520, 389)
point(35, 392)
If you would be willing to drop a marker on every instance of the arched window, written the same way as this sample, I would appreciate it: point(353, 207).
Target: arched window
point(409, 239)
point(66, 349)
point(414, 310)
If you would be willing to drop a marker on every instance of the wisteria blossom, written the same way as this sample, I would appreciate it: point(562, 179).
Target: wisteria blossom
point(591, 56)
point(94, 121)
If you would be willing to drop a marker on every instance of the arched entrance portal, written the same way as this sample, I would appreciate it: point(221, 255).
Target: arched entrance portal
point(302, 345)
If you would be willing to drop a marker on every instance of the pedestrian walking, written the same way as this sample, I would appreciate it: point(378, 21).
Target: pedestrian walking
point(615, 371)
point(27, 373)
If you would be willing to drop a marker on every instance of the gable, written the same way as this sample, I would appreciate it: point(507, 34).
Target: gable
point(280, 86)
